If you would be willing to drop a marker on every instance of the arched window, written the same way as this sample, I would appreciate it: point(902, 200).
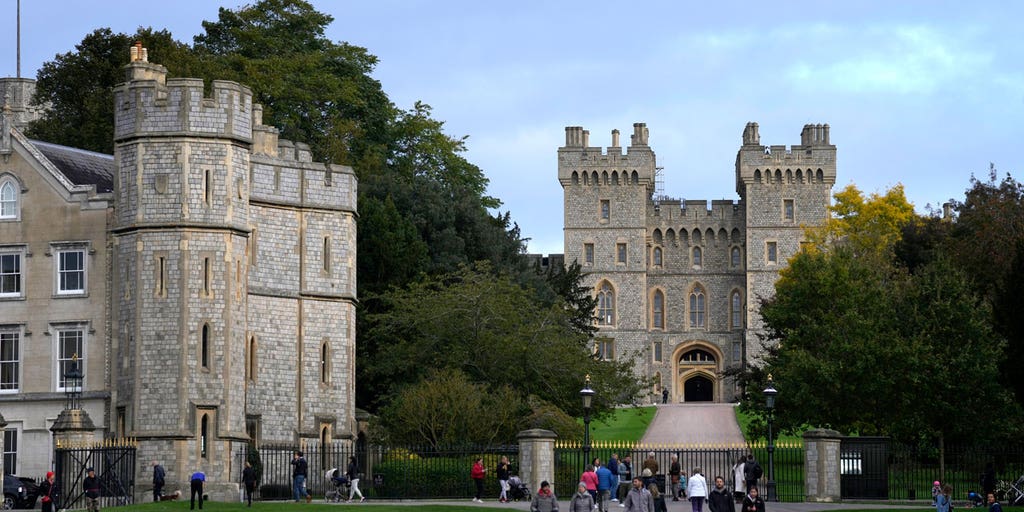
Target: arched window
point(734, 257)
point(657, 256)
point(204, 433)
point(605, 304)
point(8, 199)
point(658, 310)
point(698, 257)
point(635, 178)
point(204, 347)
point(736, 310)
point(697, 307)
point(656, 236)
point(575, 178)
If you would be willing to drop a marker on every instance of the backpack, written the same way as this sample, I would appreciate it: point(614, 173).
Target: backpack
point(757, 471)
point(752, 470)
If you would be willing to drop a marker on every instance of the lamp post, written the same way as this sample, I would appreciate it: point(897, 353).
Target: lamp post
point(73, 385)
point(769, 405)
point(587, 395)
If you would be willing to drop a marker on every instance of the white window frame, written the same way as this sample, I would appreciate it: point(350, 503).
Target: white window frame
point(59, 250)
point(15, 332)
point(12, 453)
point(18, 251)
point(10, 186)
point(60, 358)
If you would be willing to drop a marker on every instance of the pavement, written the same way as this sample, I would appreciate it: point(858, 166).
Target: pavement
point(673, 506)
point(694, 423)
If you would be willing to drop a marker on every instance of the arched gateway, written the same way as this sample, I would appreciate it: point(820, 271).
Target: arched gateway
point(697, 373)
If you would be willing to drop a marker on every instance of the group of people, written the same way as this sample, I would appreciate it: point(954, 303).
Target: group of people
point(943, 501)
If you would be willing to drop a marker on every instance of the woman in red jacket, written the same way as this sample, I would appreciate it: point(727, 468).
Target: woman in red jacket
point(478, 478)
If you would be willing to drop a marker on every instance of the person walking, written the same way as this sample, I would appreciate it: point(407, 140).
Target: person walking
point(91, 486)
point(751, 472)
point(477, 474)
point(739, 482)
point(697, 490)
point(719, 499)
point(300, 469)
point(589, 477)
point(606, 484)
point(48, 490)
point(582, 501)
point(198, 483)
point(638, 499)
point(651, 463)
point(613, 466)
point(352, 472)
point(625, 477)
point(503, 472)
point(158, 480)
point(249, 481)
point(673, 472)
point(545, 500)
point(752, 502)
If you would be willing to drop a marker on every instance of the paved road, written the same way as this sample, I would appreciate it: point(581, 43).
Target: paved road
point(697, 423)
point(678, 506)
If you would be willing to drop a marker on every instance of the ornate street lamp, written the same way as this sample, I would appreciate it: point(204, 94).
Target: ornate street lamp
point(587, 395)
point(73, 385)
point(769, 405)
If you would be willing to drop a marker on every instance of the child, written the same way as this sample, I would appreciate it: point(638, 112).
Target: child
point(936, 490)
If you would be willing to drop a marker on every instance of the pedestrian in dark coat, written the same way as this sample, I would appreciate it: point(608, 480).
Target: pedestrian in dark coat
point(158, 480)
point(249, 481)
point(91, 486)
point(719, 499)
point(48, 491)
point(753, 502)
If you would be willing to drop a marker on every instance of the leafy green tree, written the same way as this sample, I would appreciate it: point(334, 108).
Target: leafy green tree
point(494, 331)
point(446, 408)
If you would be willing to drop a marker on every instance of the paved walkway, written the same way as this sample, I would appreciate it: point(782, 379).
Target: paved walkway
point(673, 506)
point(695, 423)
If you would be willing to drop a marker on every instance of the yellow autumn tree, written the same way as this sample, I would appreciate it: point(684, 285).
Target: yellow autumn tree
point(867, 225)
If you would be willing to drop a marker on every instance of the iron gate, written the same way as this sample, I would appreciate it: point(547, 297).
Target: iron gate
point(864, 467)
point(114, 463)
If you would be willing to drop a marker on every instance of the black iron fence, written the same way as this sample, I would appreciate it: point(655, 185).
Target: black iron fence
point(114, 463)
point(912, 469)
point(713, 460)
point(394, 472)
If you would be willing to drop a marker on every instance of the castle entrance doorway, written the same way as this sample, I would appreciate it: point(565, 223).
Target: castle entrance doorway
point(698, 389)
point(697, 366)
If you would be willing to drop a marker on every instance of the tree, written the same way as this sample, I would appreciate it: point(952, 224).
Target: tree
point(491, 329)
point(869, 225)
point(872, 349)
point(446, 408)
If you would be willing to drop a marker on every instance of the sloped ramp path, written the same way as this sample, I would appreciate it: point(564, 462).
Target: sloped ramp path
point(695, 423)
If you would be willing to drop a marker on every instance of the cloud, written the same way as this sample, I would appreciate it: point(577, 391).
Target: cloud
point(892, 59)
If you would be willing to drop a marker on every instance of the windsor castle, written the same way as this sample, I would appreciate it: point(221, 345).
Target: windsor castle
point(678, 283)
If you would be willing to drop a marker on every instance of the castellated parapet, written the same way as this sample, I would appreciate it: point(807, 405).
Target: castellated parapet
point(813, 160)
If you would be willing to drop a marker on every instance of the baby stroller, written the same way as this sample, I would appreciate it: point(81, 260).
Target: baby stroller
point(517, 490)
point(340, 483)
point(1015, 494)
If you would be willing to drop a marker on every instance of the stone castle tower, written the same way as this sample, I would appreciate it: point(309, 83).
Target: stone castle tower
point(677, 283)
point(232, 280)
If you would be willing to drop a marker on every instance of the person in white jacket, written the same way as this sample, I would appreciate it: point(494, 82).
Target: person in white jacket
point(697, 490)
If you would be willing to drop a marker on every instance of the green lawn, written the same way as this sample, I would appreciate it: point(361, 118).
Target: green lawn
point(624, 424)
point(744, 420)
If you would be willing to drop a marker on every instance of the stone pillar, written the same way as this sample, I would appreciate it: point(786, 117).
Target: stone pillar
point(537, 459)
point(821, 465)
point(73, 427)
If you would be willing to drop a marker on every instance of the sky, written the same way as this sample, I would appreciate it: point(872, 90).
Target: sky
point(919, 93)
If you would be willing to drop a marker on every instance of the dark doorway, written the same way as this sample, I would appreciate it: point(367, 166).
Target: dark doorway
point(699, 389)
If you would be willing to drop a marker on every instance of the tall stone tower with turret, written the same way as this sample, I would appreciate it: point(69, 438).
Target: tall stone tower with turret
point(678, 282)
point(233, 280)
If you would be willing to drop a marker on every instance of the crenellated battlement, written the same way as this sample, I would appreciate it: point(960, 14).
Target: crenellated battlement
point(812, 161)
point(149, 103)
point(606, 165)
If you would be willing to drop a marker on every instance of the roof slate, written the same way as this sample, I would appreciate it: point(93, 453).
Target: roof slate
point(81, 167)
